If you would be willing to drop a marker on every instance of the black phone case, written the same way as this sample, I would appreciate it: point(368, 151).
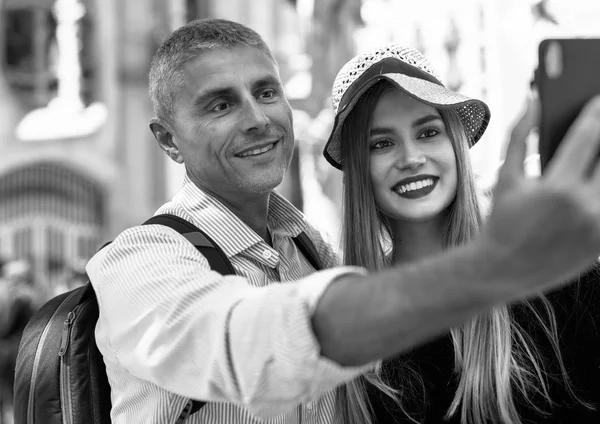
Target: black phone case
point(563, 95)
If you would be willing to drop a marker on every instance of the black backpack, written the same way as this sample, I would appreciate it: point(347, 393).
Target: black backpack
point(60, 375)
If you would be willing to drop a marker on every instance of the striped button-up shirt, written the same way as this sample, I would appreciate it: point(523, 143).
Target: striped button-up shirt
point(170, 329)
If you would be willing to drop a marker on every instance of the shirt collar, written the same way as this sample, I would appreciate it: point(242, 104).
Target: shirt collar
point(226, 229)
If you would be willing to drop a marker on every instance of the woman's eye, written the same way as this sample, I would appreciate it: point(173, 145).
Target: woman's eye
point(381, 144)
point(429, 132)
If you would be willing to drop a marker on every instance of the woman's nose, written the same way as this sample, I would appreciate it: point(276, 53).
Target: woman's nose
point(412, 157)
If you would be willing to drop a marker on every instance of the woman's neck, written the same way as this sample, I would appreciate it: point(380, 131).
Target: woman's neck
point(416, 240)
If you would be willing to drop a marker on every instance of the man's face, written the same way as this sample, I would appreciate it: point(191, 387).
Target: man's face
point(233, 123)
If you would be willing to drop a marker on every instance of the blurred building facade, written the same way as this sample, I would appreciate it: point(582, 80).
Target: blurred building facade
point(78, 162)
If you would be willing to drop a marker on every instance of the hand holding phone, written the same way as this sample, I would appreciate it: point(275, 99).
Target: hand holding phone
point(568, 76)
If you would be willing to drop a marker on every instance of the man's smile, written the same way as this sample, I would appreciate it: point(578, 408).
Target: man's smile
point(257, 150)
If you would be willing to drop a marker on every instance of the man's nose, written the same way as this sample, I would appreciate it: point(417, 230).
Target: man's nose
point(254, 118)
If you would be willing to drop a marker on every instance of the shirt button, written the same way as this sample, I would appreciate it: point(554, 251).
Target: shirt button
point(309, 406)
point(267, 254)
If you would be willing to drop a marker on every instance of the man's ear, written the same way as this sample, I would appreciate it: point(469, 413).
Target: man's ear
point(164, 136)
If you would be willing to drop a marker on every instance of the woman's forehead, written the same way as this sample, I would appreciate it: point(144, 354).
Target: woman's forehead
point(397, 105)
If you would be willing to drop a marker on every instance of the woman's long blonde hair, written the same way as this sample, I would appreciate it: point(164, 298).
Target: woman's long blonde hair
point(493, 356)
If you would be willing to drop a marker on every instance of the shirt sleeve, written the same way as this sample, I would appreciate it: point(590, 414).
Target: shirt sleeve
point(169, 319)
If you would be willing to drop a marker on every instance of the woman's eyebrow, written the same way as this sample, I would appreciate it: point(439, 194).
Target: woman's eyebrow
point(426, 119)
point(381, 130)
point(417, 123)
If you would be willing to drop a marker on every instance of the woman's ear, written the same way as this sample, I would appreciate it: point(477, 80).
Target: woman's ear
point(165, 139)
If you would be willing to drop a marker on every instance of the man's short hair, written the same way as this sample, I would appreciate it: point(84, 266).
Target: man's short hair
point(188, 42)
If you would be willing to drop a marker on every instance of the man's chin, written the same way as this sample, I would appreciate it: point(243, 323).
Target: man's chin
point(263, 184)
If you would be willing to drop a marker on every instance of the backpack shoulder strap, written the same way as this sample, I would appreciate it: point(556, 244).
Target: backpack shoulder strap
point(210, 250)
point(214, 255)
point(308, 249)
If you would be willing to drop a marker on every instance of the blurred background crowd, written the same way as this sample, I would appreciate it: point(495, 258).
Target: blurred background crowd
point(78, 163)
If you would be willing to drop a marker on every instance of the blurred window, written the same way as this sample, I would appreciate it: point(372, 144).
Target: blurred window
point(23, 243)
point(28, 51)
point(86, 247)
point(51, 215)
point(55, 239)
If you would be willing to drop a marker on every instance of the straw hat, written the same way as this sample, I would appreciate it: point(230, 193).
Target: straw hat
point(409, 70)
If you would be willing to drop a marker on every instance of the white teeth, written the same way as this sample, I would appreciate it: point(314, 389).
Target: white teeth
point(415, 186)
point(257, 151)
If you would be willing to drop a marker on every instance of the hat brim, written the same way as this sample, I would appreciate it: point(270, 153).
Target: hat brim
point(474, 114)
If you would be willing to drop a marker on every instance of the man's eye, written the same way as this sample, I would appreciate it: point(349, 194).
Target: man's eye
point(220, 107)
point(267, 94)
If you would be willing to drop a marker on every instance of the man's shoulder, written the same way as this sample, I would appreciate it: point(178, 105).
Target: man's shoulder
point(175, 207)
point(138, 239)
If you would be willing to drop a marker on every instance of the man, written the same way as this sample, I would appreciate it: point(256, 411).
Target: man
point(255, 346)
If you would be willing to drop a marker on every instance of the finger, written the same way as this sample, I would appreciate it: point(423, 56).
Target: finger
point(515, 153)
point(577, 153)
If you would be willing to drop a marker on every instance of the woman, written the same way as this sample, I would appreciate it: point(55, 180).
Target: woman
point(401, 139)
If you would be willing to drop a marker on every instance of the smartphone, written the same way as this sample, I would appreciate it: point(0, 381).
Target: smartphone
point(568, 75)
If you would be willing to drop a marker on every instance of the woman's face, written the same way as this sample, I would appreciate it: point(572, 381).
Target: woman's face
point(413, 166)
